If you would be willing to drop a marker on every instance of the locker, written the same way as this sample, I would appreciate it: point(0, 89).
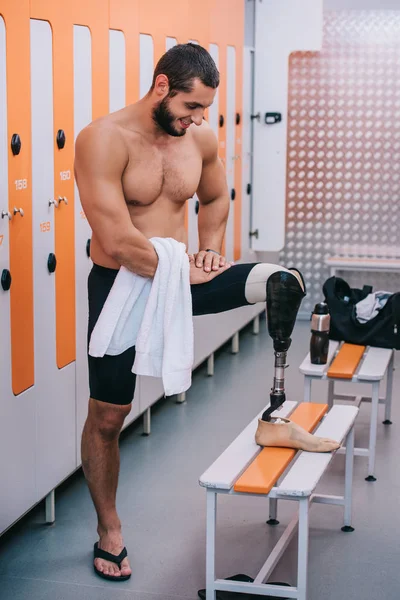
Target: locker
point(17, 413)
point(117, 70)
point(146, 63)
point(230, 145)
point(148, 389)
point(170, 43)
point(54, 388)
point(213, 110)
point(83, 264)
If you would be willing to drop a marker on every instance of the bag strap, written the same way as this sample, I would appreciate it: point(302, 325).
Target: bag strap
point(367, 289)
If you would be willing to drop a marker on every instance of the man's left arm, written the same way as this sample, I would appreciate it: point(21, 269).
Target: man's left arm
point(214, 202)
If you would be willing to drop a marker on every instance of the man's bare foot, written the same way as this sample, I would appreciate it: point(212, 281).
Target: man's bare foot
point(112, 542)
point(287, 434)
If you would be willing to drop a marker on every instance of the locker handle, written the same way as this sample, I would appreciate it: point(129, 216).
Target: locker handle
point(6, 280)
point(233, 194)
point(88, 248)
point(51, 262)
point(60, 139)
point(197, 207)
point(55, 202)
point(16, 144)
point(62, 199)
point(6, 213)
point(18, 210)
point(221, 120)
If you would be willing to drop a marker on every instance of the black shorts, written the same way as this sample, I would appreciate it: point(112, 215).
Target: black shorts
point(110, 377)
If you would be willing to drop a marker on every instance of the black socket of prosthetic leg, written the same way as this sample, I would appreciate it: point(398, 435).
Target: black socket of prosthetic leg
point(282, 345)
point(276, 400)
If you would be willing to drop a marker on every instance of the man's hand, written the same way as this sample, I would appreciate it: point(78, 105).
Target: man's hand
point(209, 261)
point(200, 275)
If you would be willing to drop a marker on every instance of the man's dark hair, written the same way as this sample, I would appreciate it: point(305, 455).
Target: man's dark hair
point(182, 64)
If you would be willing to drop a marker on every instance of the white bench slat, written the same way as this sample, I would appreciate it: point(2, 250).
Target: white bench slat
point(307, 368)
point(228, 467)
point(310, 466)
point(375, 364)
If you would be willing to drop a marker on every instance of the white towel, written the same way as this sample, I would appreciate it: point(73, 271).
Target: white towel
point(368, 308)
point(155, 316)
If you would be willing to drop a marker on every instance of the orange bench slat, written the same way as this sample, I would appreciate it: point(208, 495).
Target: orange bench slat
point(345, 364)
point(262, 474)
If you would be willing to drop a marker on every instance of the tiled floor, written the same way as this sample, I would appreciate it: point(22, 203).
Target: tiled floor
point(162, 506)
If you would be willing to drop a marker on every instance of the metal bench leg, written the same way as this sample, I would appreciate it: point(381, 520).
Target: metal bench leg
point(302, 566)
point(147, 422)
point(331, 392)
point(372, 431)
point(211, 593)
point(50, 508)
point(307, 388)
point(348, 482)
point(256, 325)
point(235, 343)
point(273, 512)
point(210, 365)
point(180, 398)
point(389, 389)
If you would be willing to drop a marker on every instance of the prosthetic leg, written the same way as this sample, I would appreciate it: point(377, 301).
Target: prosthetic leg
point(285, 291)
point(284, 296)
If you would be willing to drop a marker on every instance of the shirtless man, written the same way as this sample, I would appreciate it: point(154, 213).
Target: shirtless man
point(135, 170)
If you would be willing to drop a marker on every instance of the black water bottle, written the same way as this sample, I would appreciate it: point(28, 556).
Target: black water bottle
point(320, 324)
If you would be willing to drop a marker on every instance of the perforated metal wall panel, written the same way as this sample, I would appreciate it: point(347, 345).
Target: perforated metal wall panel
point(343, 176)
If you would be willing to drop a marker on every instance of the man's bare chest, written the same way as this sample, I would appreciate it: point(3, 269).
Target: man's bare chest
point(173, 174)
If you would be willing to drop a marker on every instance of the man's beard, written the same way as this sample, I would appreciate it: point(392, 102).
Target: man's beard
point(164, 119)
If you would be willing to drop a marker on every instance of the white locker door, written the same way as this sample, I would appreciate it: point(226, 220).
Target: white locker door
point(213, 111)
point(146, 63)
point(247, 156)
point(54, 388)
point(170, 42)
point(117, 101)
point(17, 414)
point(230, 145)
point(117, 67)
point(148, 389)
point(83, 264)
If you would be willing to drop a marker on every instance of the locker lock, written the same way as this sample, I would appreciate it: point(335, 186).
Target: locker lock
point(51, 262)
point(237, 118)
point(6, 280)
point(16, 144)
point(233, 194)
point(197, 207)
point(221, 120)
point(88, 248)
point(272, 117)
point(60, 139)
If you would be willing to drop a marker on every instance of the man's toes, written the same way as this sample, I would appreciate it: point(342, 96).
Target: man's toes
point(125, 568)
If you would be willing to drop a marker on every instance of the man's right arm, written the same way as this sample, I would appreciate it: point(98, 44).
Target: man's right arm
point(100, 159)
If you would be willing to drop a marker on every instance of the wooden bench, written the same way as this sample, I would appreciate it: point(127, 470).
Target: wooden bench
point(246, 469)
point(356, 364)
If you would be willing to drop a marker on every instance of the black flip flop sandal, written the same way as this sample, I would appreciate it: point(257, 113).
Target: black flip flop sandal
point(99, 553)
point(240, 596)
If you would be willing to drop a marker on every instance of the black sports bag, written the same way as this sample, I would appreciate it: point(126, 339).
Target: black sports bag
point(382, 331)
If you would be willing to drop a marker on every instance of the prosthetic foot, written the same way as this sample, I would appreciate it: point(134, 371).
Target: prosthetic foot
point(286, 434)
point(285, 291)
